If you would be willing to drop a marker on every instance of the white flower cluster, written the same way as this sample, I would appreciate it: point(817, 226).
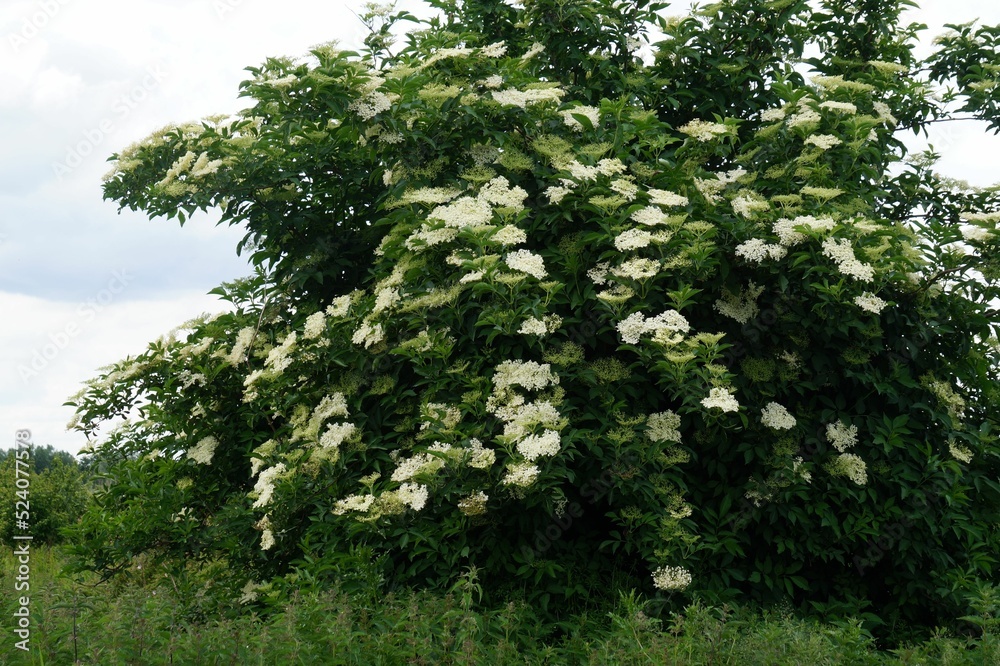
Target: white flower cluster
point(243, 340)
point(386, 298)
point(315, 325)
point(496, 50)
point(280, 358)
point(840, 107)
point(632, 328)
point(842, 252)
point(464, 212)
point(591, 113)
point(474, 504)
point(870, 302)
point(771, 115)
point(422, 463)
point(340, 306)
point(671, 578)
point(842, 437)
point(743, 306)
point(823, 141)
point(632, 239)
point(535, 446)
point(639, 268)
point(368, 334)
point(666, 198)
point(721, 398)
point(788, 235)
point(336, 434)
point(524, 98)
point(776, 417)
point(526, 262)
point(702, 130)
point(353, 503)
point(711, 187)
point(520, 474)
point(757, 250)
point(510, 235)
point(479, 456)
point(664, 427)
point(264, 487)
point(650, 216)
point(526, 374)
point(203, 451)
point(500, 193)
point(414, 495)
point(746, 205)
point(959, 452)
point(850, 466)
point(540, 327)
point(372, 101)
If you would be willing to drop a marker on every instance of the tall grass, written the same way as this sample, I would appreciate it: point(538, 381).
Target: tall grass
point(151, 617)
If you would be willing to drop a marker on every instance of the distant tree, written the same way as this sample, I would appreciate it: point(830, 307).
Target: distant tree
point(531, 303)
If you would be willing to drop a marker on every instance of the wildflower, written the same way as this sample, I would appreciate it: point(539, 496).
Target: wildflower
point(524, 98)
point(841, 251)
point(474, 504)
point(666, 198)
point(787, 234)
point(203, 451)
point(520, 474)
point(591, 113)
point(481, 457)
point(664, 427)
point(239, 350)
point(756, 250)
point(842, 437)
point(650, 216)
point(721, 398)
point(315, 325)
point(464, 212)
point(823, 141)
point(632, 239)
point(841, 107)
point(704, 131)
point(264, 487)
point(510, 235)
point(776, 417)
point(527, 374)
point(741, 307)
point(535, 446)
point(556, 193)
point(413, 495)
point(850, 466)
point(533, 326)
point(360, 503)
point(870, 302)
point(339, 307)
point(368, 334)
point(526, 262)
point(959, 452)
point(496, 50)
point(499, 193)
point(336, 434)
point(637, 269)
point(535, 49)
point(771, 115)
point(671, 578)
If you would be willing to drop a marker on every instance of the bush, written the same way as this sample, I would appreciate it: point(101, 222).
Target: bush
point(531, 304)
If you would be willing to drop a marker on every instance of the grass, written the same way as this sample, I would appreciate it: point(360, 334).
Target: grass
point(147, 617)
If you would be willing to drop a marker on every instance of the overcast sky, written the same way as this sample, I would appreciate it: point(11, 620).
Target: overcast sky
point(81, 285)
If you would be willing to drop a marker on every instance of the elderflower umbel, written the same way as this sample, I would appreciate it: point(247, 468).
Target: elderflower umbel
point(842, 252)
point(413, 495)
point(776, 417)
point(823, 141)
point(533, 326)
point(671, 578)
point(264, 487)
point(526, 262)
point(664, 427)
point(721, 398)
point(474, 504)
point(666, 198)
point(870, 302)
point(757, 250)
point(315, 325)
point(203, 451)
point(591, 113)
point(520, 474)
point(632, 239)
point(339, 307)
point(479, 456)
point(353, 503)
point(368, 334)
point(850, 466)
point(842, 437)
point(535, 446)
point(702, 130)
point(510, 235)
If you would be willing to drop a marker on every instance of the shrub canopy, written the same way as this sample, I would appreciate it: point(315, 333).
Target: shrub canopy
point(571, 291)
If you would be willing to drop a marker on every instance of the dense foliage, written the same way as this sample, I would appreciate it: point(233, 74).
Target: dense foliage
point(55, 498)
point(540, 299)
